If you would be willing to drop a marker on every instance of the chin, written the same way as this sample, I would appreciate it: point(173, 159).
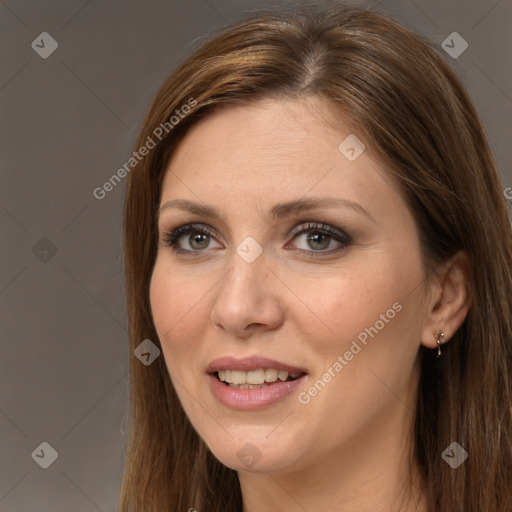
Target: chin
point(255, 454)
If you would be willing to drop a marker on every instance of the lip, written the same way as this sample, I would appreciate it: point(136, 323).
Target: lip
point(247, 399)
point(247, 364)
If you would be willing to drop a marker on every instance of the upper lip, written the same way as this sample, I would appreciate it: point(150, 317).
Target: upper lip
point(250, 363)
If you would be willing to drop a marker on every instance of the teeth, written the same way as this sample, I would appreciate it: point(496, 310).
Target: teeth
point(255, 378)
point(238, 377)
point(246, 386)
point(271, 375)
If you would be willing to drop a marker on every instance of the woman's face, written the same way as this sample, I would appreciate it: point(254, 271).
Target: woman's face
point(331, 295)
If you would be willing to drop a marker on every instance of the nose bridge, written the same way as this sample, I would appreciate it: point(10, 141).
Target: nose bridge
point(249, 250)
point(248, 273)
point(246, 295)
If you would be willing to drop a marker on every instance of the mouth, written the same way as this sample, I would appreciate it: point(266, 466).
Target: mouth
point(255, 379)
point(254, 382)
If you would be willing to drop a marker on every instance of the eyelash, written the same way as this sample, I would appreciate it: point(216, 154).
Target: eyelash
point(172, 237)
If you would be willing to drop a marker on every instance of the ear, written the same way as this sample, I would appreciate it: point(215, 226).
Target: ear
point(449, 301)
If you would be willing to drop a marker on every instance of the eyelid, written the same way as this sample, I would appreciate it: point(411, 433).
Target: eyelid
point(320, 226)
point(173, 234)
point(178, 230)
point(300, 226)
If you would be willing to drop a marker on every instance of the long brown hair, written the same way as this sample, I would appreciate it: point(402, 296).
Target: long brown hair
point(412, 109)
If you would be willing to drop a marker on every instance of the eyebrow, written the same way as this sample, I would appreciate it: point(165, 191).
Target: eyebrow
point(278, 211)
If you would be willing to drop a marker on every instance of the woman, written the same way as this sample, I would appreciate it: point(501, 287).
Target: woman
point(317, 241)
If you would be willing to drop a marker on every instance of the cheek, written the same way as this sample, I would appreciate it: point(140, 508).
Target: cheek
point(373, 320)
point(349, 302)
point(174, 305)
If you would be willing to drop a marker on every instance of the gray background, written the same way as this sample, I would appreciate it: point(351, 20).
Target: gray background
point(68, 123)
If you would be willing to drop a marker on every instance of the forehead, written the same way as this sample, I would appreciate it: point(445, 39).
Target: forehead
point(259, 134)
point(272, 149)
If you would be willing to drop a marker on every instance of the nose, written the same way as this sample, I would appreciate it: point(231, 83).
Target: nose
point(248, 297)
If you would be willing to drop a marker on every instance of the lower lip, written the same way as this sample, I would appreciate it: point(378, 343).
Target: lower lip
point(256, 398)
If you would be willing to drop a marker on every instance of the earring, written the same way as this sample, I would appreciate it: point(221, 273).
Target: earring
point(439, 337)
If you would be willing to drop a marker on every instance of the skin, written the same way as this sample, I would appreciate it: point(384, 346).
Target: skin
point(347, 449)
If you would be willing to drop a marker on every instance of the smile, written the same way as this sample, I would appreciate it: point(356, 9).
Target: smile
point(255, 379)
point(253, 382)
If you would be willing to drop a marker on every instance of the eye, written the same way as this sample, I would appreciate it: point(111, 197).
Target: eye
point(199, 238)
point(319, 238)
